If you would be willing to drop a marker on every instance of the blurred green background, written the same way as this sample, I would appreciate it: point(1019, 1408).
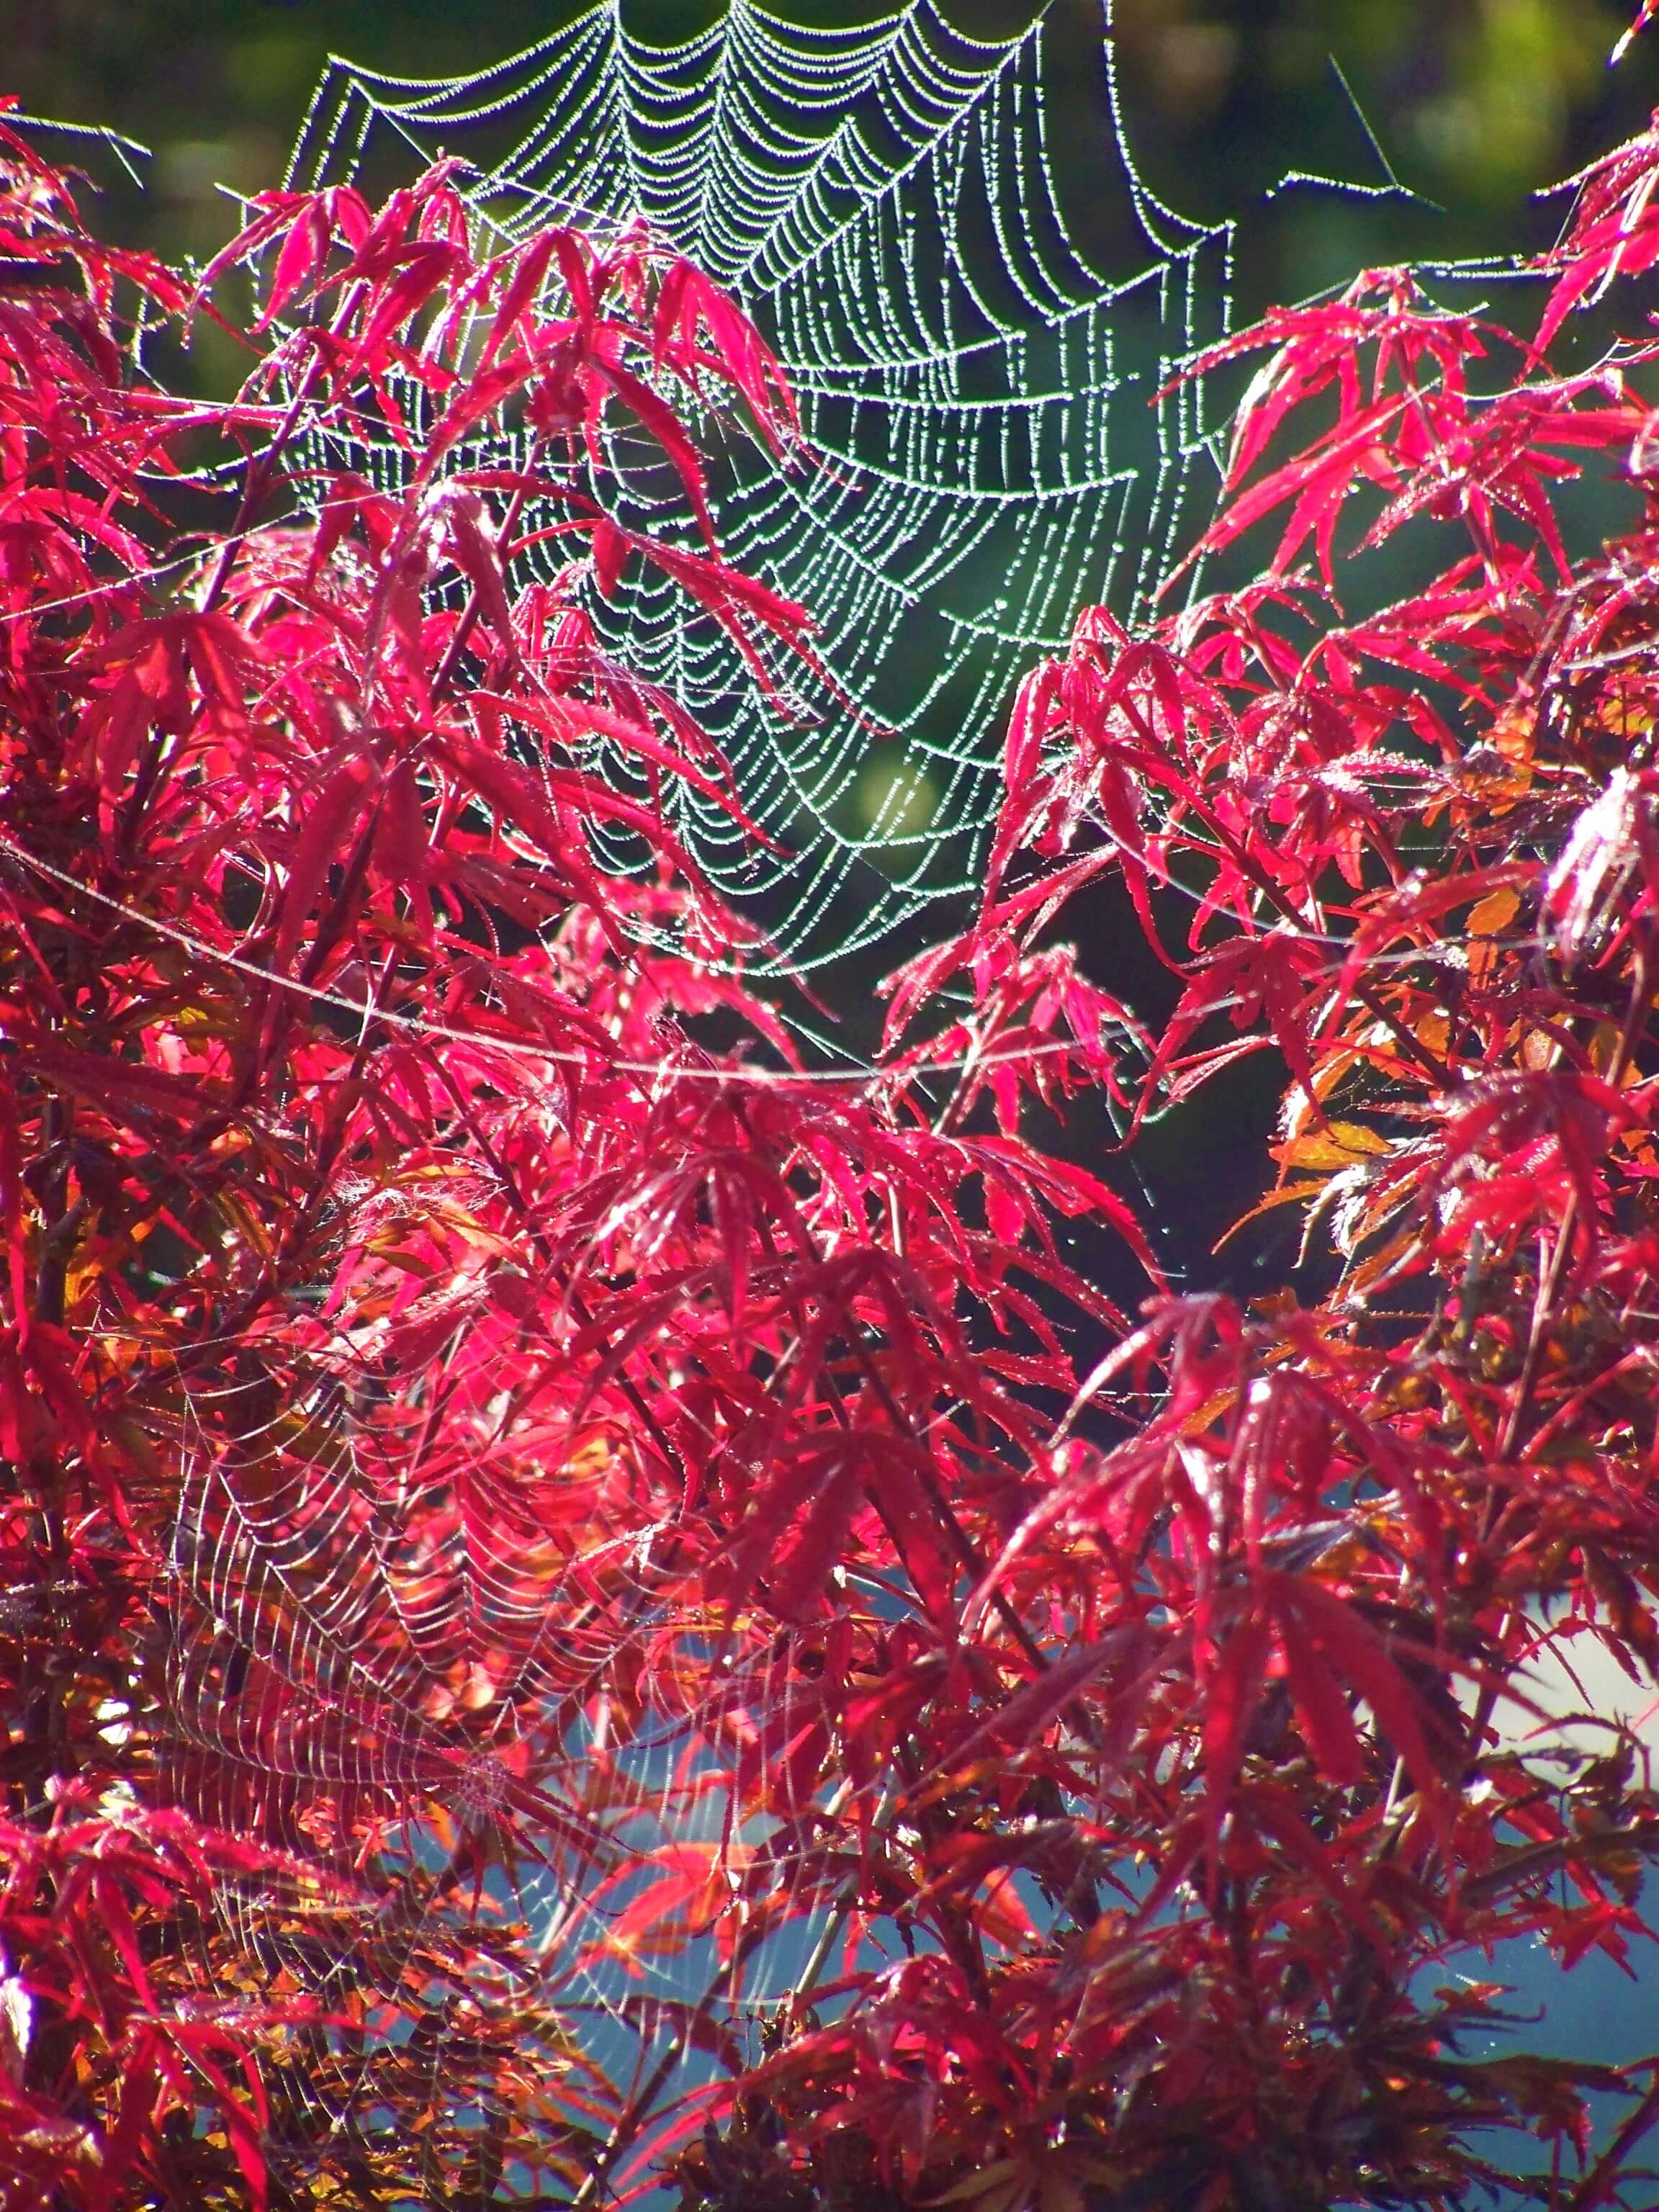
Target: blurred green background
point(1476, 102)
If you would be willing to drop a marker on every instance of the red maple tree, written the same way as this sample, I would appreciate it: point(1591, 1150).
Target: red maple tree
point(468, 1441)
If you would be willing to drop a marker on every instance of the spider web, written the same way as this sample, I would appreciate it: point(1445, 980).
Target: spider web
point(370, 1628)
point(986, 452)
point(392, 1567)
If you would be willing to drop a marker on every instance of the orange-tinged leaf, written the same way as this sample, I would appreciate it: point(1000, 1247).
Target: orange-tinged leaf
point(1491, 915)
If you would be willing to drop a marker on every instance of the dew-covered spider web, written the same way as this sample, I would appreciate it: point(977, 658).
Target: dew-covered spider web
point(976, 361)
point(396, 1562)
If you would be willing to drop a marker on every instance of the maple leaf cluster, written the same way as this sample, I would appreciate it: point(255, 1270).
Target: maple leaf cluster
point(507, 1496)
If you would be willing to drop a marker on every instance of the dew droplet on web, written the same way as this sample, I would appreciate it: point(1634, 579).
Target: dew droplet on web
point(482, 1788)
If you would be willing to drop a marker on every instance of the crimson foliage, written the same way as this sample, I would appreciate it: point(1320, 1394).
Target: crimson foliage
point(430, 1376)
